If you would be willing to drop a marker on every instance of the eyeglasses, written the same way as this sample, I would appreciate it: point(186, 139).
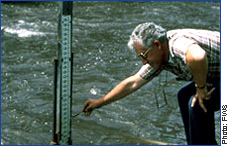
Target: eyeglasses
point(143, 55)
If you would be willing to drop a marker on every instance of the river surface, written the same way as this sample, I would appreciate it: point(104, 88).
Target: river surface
point(101, 60)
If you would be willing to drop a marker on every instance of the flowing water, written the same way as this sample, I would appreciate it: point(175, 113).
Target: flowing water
point(101, 60)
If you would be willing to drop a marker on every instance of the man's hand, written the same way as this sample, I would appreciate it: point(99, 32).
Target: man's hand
point(202, 94)
point(90, 105)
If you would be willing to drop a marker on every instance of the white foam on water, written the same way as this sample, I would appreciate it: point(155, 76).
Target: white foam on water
point(23, 32)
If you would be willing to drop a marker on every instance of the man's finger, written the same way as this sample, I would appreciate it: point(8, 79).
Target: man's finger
point(202, 105)
point(84, 108)
point(88, 113)
point(194, 101)
point(86, 105)
point(210, 92)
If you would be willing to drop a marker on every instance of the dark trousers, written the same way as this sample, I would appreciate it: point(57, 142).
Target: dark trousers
point(199, 126)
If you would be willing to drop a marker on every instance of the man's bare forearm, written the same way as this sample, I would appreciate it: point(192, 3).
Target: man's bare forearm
point(198, 64)
point(124, 88)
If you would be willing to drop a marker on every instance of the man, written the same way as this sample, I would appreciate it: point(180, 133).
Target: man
point(193, 55)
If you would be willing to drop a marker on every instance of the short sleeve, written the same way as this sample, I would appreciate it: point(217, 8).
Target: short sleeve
point(180, 45)
point(147, 72)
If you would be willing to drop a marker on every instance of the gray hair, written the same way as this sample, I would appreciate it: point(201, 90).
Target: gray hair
point(146, 33)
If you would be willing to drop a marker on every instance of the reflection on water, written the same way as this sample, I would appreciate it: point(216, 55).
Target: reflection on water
point(101, 60)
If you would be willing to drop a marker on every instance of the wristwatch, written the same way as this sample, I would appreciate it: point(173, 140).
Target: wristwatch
point(200, 87)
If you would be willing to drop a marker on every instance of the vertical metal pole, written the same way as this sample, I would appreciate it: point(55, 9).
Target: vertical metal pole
point(63, 77)
point(71, 91)
point(55, 138)
point(65, 60)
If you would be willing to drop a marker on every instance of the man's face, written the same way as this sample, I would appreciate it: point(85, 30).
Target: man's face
point(152, 57)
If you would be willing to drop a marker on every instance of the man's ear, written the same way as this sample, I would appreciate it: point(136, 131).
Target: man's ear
point(157, 44)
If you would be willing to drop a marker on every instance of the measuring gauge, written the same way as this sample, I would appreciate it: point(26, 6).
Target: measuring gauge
point(66, 77)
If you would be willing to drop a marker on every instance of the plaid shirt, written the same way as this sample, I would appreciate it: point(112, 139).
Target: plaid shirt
point(179, 42)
